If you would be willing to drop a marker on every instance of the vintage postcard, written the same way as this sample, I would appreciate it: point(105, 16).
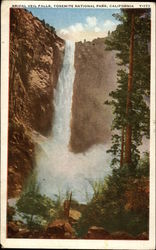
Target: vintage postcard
point(78, 125)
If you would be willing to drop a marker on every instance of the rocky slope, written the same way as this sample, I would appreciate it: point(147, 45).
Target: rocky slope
point(36, 55)
point(95, 77)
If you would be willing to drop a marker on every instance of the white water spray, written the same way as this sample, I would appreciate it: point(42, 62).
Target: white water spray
point(59, 169)
point(63, 97)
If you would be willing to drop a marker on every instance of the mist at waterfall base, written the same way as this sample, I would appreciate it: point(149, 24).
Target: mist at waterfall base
point(58, 169)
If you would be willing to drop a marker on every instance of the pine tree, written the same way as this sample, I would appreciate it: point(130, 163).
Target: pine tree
point(128, 140)
point(131, 41)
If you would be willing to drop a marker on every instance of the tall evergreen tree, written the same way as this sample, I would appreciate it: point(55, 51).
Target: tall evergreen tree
point(131, 41)
point(128, 140)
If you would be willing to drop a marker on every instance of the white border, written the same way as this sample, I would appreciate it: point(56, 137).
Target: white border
point(70, 244)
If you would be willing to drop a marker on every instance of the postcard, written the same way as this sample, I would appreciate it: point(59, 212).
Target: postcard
point(78, 125)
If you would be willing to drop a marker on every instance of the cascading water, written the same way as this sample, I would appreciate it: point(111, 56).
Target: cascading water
point(63, 97)
point(59, 169)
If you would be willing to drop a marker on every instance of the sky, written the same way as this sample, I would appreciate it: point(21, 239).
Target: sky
point(78, 24)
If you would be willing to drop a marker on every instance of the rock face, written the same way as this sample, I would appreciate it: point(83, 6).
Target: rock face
point(36, 55)
point(143, 236)
point(74, 216)
point(95, 77)
point(97, 233)
point(60, 229)
point(120, 235)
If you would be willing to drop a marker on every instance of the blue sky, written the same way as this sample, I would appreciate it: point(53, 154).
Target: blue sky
point(78, 23)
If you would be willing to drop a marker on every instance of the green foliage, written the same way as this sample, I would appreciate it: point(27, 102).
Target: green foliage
point(48, 26)
point(43, 22)
point(58, 211)
point(138, 115)
point(143, 166)
point(114, 205)
point(10, 213)
point(33, 206)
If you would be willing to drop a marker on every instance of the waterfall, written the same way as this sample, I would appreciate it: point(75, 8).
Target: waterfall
point(63, 97)
point(58, 169)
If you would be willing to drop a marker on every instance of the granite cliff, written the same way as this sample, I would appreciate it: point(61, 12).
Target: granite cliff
point(95, 77)
point(36, 55)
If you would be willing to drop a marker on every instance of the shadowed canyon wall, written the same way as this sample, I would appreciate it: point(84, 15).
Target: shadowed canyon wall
point(36, 55)
point(95, 77)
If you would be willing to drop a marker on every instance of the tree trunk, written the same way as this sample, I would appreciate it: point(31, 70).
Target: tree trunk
point(67, 204)
point(31, 220)
point(129, 91)
point(122, 147)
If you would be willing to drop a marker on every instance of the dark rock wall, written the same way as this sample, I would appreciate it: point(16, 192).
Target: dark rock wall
point(36, 56)
point(95, 77)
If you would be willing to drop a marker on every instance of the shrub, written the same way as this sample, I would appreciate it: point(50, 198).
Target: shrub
point(34, 207)
point(121, 202)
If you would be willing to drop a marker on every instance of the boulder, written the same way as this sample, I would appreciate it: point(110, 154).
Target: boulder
point(24, 233)
point(95, 232)
point(142, 236)
point(121, 235)
point(12, 229)
point(16, 229)
point(74, 216)
point(60, 229)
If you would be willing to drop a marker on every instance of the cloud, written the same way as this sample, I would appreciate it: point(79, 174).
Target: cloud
point(88, 30)
point(109, 25)
point(64, 31)
point(97, 29)
point(77, 27)
point(91, 21)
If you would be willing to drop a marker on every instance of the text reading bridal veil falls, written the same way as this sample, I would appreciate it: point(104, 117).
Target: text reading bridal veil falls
point(58, 169)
